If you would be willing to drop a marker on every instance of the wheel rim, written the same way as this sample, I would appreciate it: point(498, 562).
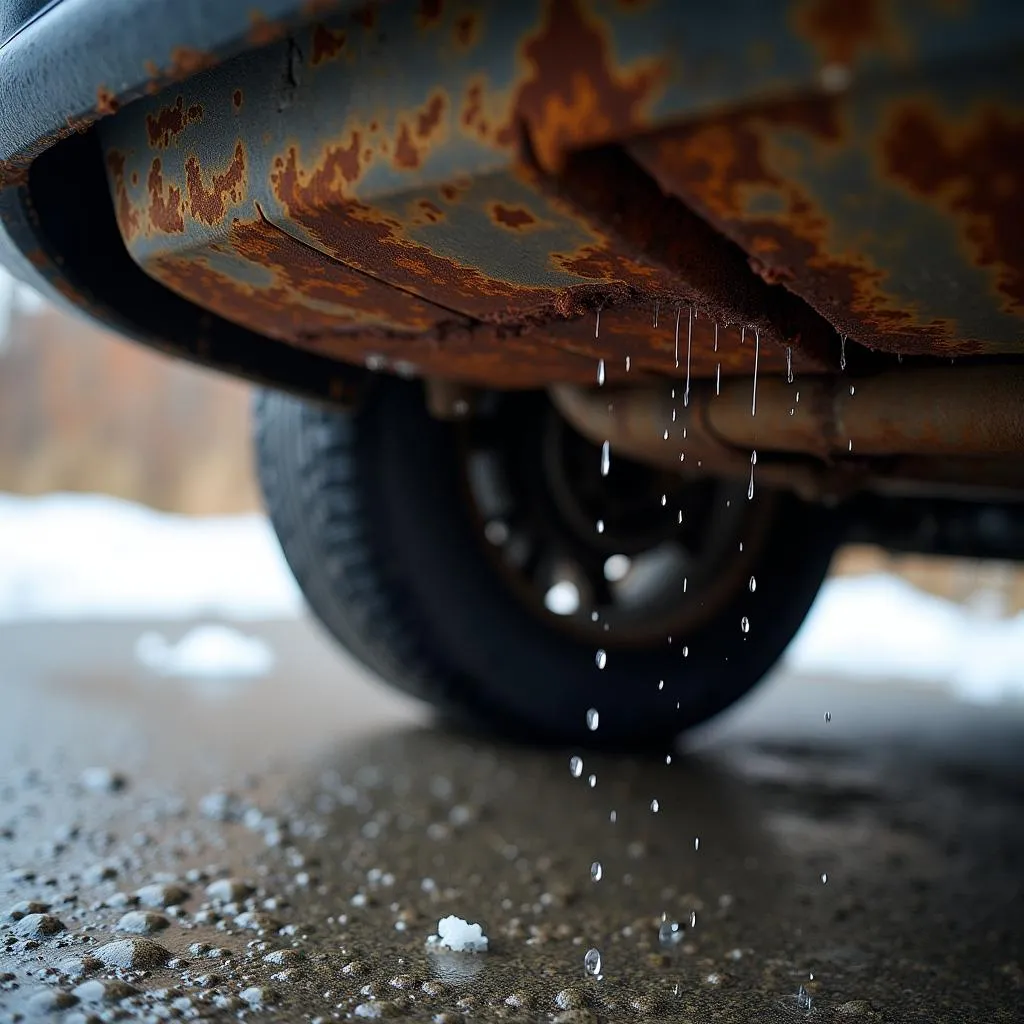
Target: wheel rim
point(537, 496)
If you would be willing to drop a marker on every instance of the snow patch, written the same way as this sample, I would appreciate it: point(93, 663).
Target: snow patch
point(74, 556)
point(209, 652)
point(881, 628)
point(459, 936)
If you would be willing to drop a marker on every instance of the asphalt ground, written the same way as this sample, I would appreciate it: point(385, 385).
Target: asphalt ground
point(283, 848)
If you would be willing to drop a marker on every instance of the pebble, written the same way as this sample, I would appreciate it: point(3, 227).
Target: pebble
point(24, 908)
point(142, 922)
point(108, 991)
point(38, 926)
point(256, 995)
point(132, 954)
point(79, 966)
point(51, 1002)
point(229, 890)
point(103, 780)
point(161, 894)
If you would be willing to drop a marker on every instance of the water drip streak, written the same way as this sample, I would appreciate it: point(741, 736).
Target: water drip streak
point(689, 341)
point(679, 312)
point(757, 350)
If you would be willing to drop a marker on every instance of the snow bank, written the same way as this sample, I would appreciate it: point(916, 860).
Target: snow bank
point(88, 556)
point(880, 627)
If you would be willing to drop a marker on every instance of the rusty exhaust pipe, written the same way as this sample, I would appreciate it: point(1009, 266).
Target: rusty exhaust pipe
point(969, 411)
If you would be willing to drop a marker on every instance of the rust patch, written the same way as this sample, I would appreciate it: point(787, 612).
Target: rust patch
point(262, 30)
point(574, 93)
point(236, 99)
point(186, 61)
point(467, 30)
point(430, 212)
point(165, 211)
point(514, 217)
point(328, 43)
point(414, 136)
point(841, 29)
point(974, 173)
point(106, 102)
point(125, 212)
point(209, 204)
point(429, 13)
point(169, 122)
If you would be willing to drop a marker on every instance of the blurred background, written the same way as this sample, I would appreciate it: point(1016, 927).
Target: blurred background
point(127, 491)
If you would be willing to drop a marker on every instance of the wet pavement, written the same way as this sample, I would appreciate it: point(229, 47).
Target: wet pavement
point(284, 848)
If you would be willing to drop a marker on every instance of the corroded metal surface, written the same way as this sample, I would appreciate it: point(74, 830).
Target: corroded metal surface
point(408, 184)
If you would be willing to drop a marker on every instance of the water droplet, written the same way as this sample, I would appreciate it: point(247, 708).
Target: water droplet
point(606, 458)
point(686, 650)
point(693, 918)
point(664, 500)
point(670, 933)
point(600, 526)
point(679, 313)
point(757, 353)
point(597, 324)
point(828, 716)
point(718, 366)
point(803, 1000)
point(696, 842)
point(657, 303)
point(600, 370)
point(627, 364)
point(752, 584)
point(661, 684)
point(613, 816)
point(576, 766)
point(591, 780)
point(745, 624)
point(689, 342)
point(842, 352)
point(824, 878)
point(596, 871)
point(592, 962)
point(601, 658)
point(593, 718)
point(789, 365)
point(655, 806)
point(750, 486)
point(851, 444)
point(664, 436)
point(853, 390)
point(668, 759)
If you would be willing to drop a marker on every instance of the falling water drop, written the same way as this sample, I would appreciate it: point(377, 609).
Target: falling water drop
point(750, 487)
point(592, 781)
point(606, 458)
point(593, 719)
point(789, 365)
point(664, 500)
point(575, 766)
point(752, 584)
point(689, 342)
point(745, 624)
point(661, 684)
point(592, 962)
point(597, 324)
point(693, 918)
point(596, 871)
point(757, 351)
point(686, 650)
point(824, 878)
point(828, 716)
point(696, 842)
point(600, 372)
point(600, 526)
point(679, 313)
point(670, 933)
point(613, 816)
point(664, 436)
point(657, 303)
point(842, 352)
point(601, 658)
point(851, 444)
point(853, 391)
point(668, 759)
point(627, 364)
point(655, 806)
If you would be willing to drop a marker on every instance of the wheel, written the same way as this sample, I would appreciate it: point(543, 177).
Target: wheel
point(492, 568)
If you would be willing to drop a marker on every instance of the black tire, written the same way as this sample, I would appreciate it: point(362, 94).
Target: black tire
point(371, 513)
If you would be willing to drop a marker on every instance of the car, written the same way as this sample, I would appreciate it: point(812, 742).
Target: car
point(585, 330)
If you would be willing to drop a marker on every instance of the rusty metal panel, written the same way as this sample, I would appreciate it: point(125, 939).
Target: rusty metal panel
point(398, 184)
point(895, 214)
